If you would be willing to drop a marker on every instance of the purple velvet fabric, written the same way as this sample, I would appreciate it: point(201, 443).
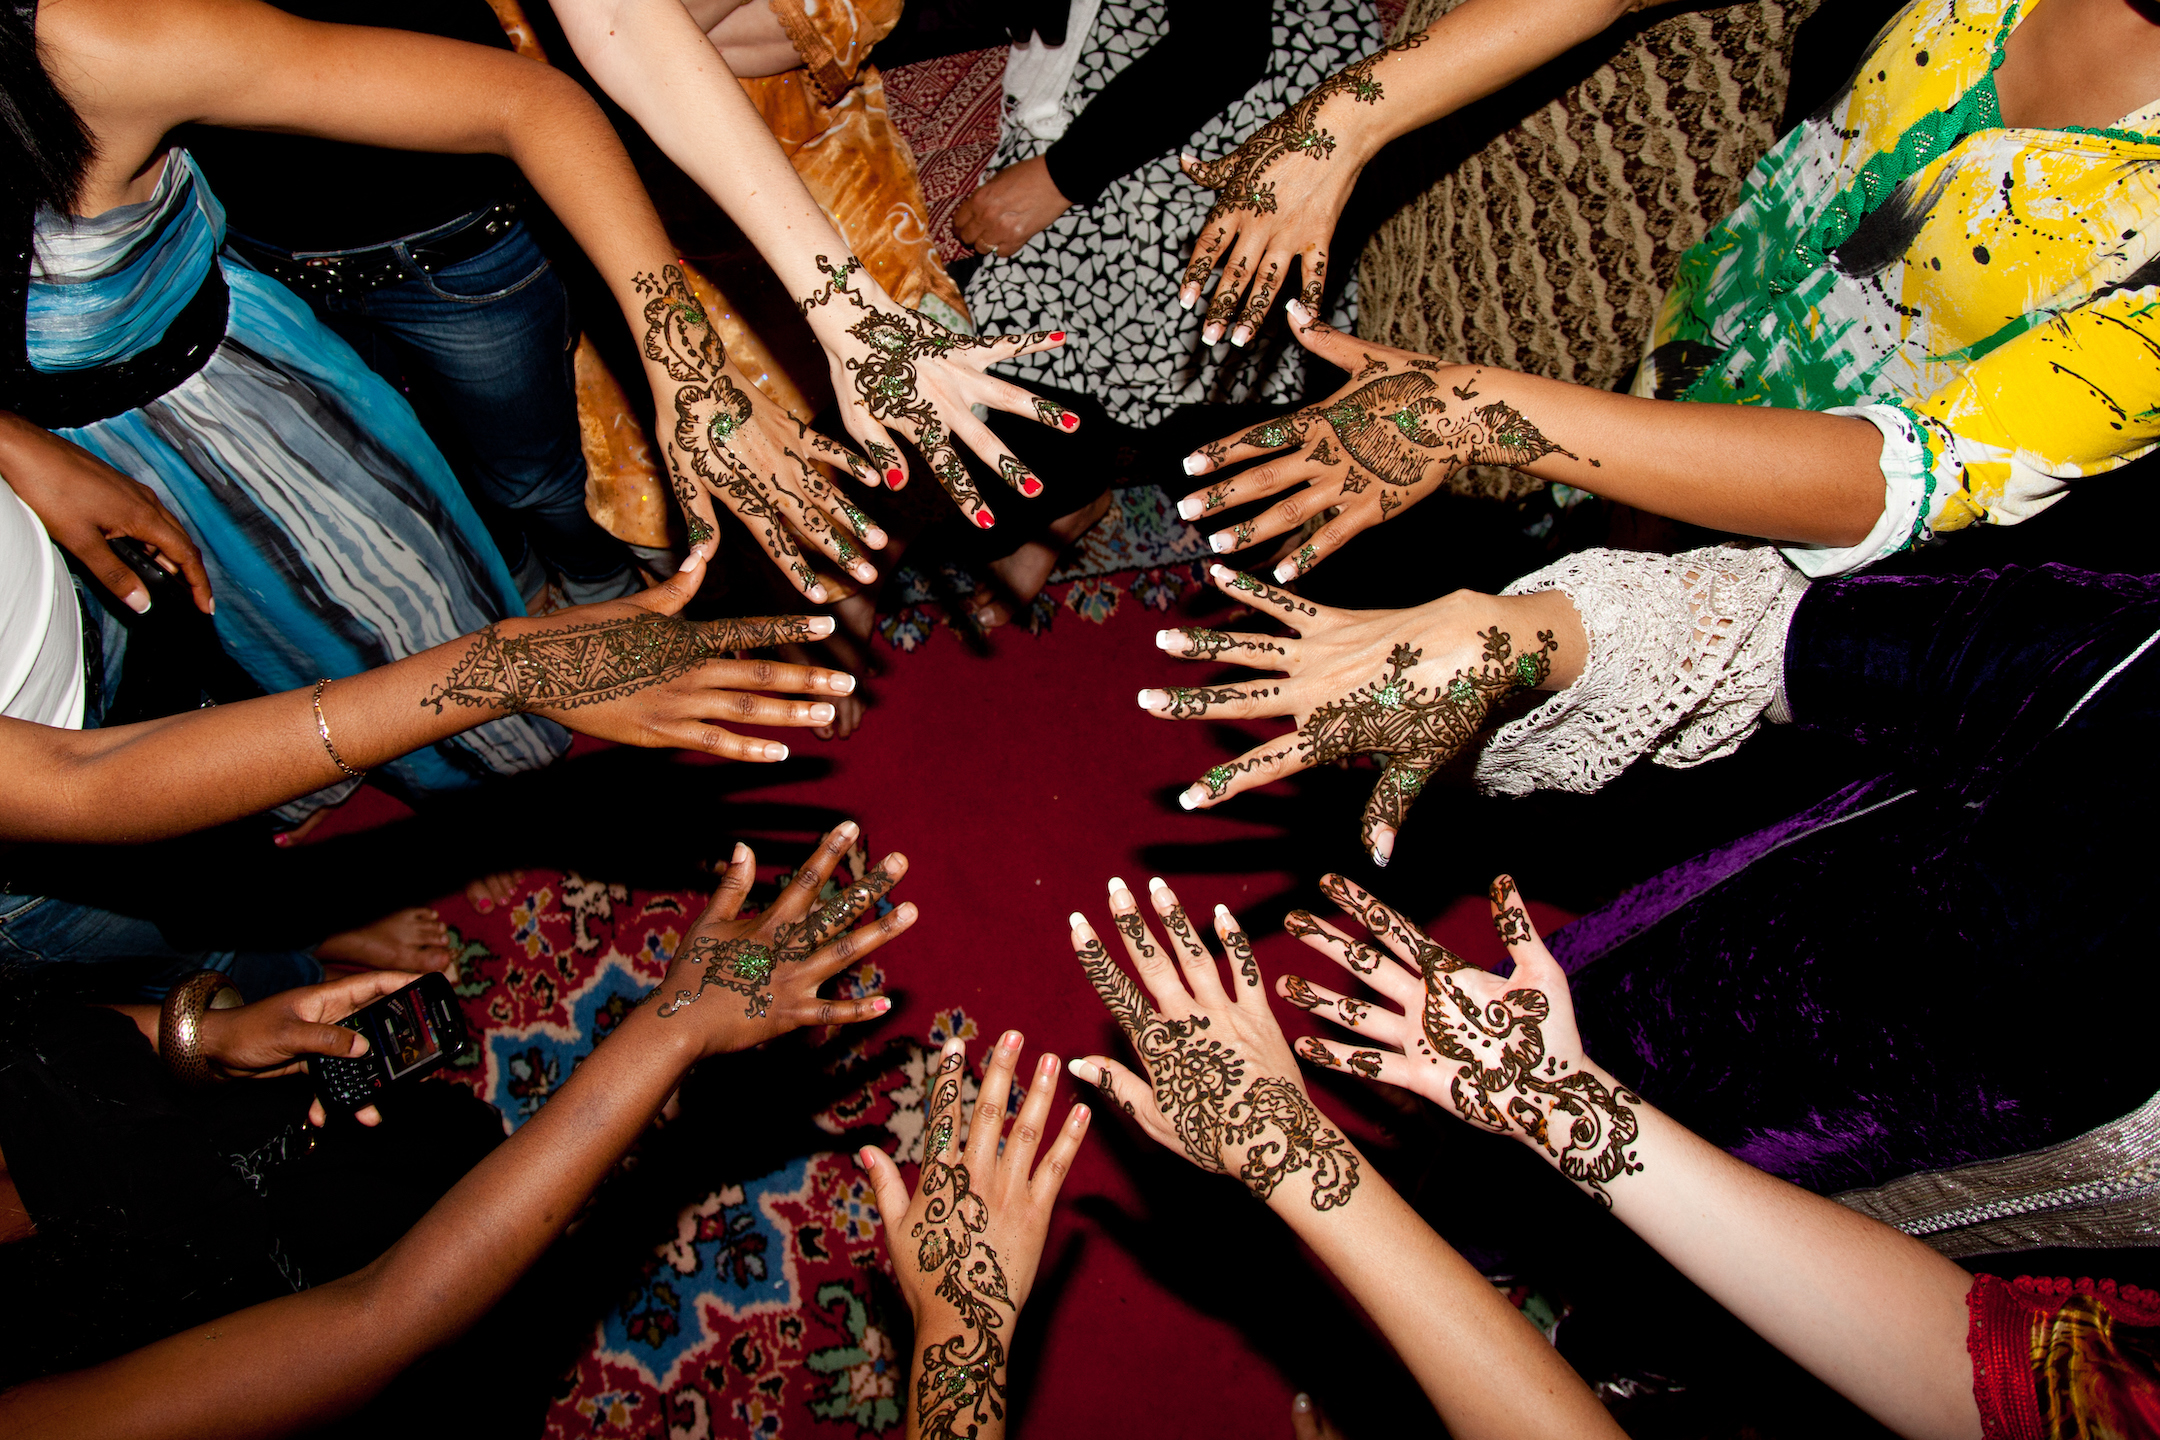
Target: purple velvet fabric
point(1949, 961)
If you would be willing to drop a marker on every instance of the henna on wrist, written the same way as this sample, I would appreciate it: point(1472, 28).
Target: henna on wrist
point(960, 1383)
point(568, 666)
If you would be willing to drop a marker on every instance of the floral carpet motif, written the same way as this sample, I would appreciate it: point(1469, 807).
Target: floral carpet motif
point(1140, 550)
point(757, 1317)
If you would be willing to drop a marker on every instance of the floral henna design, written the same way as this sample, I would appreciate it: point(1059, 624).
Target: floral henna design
point(1362, 958)
point(1302, 1140)
point(1366, 1063)
point(743, 966)
point(574, 665)
point(1504, 1080)
point(1017, 475)
point(1237, 176)
point(1269, 595)
point(1299, 992)
point(1241, 954)
point(1189, 702)
point(961, 1385)
point(1419, 727)
point(1323, 455)
point(1352, 1012)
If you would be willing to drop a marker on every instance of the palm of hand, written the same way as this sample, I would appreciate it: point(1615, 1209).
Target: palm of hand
point(1221, 1082)
point(1501, 1053)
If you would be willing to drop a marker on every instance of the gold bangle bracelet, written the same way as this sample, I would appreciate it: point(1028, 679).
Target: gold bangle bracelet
point(180, 1022)
point(322, 728)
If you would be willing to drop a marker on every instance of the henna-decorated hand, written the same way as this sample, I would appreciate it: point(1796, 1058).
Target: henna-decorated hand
point(738, 981)
point(1413, 685)
point(1221, 1084)
point(895, 369)
point(966, 1245)
point(1386, 440)
point(1012, 207)
point(635, 672)
point(1279, 195)
point(725, 440)
point(1503, 1053)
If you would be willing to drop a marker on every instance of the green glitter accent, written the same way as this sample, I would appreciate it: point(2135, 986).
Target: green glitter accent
point(722, 426)
point(1239, 580)
point(1461, 691)
point(1389, 695)
point(754, 964)
point(860, 521)
point(1526, 669)
point(1217, 780)
point(1345, 415)
point(1214, 499)
point(1305, 558)
point(1405, 422)
point(846, 551)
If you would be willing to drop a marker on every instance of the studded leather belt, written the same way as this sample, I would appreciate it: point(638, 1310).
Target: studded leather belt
point(356, 272)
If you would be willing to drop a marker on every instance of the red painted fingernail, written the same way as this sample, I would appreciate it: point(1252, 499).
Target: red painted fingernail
point(1056, 335)
point(894, 476)
point(281, 838)
point(985, 519)
point(1030, 486)
point(1069, 420)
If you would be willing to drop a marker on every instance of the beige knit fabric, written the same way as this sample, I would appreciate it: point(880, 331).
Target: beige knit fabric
point(1548, 251)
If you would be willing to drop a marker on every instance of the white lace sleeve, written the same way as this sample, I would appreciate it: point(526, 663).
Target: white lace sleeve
point(1687, 657)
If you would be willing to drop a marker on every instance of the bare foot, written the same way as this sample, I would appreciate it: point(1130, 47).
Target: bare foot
point(414, 941)
point(1024, 572)
point(489, 891)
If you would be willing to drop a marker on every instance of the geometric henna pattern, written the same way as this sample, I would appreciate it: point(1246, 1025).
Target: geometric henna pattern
point(573, 665)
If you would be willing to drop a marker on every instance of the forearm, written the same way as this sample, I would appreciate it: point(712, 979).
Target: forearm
point(652, 58)
point(297, 1361)
point(1797, 476)
point(1485, 1368)
point(1465, 55)
point(167, 777)
point(1873, 1313)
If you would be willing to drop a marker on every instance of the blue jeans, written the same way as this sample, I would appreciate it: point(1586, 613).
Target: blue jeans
point(487, 346)
point(37, 931)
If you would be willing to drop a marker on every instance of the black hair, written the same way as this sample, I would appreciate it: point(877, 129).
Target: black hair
point(51, 146)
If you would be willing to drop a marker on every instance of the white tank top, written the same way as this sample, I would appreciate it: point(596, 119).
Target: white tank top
point(41, 654)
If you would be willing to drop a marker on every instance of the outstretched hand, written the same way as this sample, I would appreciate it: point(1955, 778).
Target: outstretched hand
point(725, 440)
point(738, 981)
point(1384, 441)
point(1501, 1052)
point(1221, 1085)
point(896, 369)
point(636, 672)
point(966, 1245)
point(1415, 686)
point(1278, 197)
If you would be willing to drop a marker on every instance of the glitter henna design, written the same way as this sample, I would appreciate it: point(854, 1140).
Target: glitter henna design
point(1202, 644)
point(570, 666)
point(746, 964)
point(1188, 702)
point(1418, 727)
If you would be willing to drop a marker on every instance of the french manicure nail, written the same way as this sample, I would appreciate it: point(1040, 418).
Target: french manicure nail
point(1299, 312)
point(1222, 573)
point(1189, 798)
point(1383, 844)
point(1239, 336)
point(1149, 699)
point(1210, 334)
point(742, 853)
point(1164, 639)
point(1155, 883)
point(1077, 921)
point(776, 752)
point(1220, 542)
point(1194, 465)
point(1188, 509)
point(1286, 572)
point(822, 713)
point(1119, 887)
point(689, 563)
point(1186, 298)
point(138, 601)
point(817, 595)
point(821, 625)
point(213, 608)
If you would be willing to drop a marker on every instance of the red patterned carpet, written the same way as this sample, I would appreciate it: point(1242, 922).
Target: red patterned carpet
point(1018, 777)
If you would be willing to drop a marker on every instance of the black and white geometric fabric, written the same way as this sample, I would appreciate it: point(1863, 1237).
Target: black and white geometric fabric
point(1108, 273)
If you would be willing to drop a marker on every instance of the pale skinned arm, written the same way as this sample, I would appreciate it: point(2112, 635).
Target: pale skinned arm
point(298, 1361)
point(1488, 1372)
point(1873, 1313)
point(168, 777)
point(1791, 476)
point(1465, 55)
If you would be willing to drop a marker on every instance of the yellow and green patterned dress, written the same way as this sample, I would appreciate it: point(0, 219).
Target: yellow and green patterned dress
point(1988, 297)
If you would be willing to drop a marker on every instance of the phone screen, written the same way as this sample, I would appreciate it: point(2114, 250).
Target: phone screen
point(408, 1036)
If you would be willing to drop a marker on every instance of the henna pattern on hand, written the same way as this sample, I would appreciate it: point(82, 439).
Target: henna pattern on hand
point(1189, 701)
point(1204, 644)
point(1371, 368)
point(1398, 427)
point(568, 666)
point(1323, 455)
point(1237, 176)
point(746, 964)
point(889, 384)
point(960, 1387)
point(1201, 1085)
point(1299, 992)
point(1419, 727)
point(1498, 1049)
point(1365, 1063)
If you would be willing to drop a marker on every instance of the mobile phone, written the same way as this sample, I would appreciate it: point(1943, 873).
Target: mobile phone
point(411, 1033)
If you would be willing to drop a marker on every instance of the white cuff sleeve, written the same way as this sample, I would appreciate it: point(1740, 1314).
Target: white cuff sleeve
point(1687, 657)
point(1921, 471)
